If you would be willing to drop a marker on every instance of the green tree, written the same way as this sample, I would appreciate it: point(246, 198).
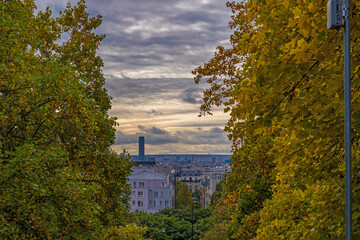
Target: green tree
point(175, 228)
point(184, 198)
point(196, 196)
point(178, 185)
point(176, 222)
point(215, 197)
point(128, 232)
point(58, 177)
point(280, 81)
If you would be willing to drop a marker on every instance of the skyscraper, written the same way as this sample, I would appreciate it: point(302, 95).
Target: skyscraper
point(141, 148)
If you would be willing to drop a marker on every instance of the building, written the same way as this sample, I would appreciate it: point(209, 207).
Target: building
point(205, 194)
point(141, 148)
point(141, 160)
point(151, 191)
point(213, 162)
point(215, 178)
point(193, 178)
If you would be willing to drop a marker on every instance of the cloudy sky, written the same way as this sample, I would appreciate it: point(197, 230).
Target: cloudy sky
point(150, 48)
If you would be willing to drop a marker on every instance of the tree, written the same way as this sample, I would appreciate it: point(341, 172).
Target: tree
point(175, 228)
point(128, 232)
point(248, 186)
point(281, 83)
point(184, 199)
point(215, 197)
point(176, 222)
point(58, 176)
point(197, 197)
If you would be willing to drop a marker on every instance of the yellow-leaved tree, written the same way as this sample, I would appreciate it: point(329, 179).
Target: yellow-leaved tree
point(282, 83)
point(59, 179)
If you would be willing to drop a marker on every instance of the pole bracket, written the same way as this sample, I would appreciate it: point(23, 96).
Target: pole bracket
point(346, 12)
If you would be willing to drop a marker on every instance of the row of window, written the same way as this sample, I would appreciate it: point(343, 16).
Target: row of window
point(190, 179)
point(156, 194)
point(190, 188)
point(142, 184)
point(141, 203)
point(216, 176)
point(191, 174)
point(140, 194)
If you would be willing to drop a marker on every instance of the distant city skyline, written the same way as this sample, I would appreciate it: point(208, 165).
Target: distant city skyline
point(149, 51)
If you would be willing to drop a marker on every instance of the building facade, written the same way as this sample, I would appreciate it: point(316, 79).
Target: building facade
point(215, 178)
point(192, 177)
point(151, 191)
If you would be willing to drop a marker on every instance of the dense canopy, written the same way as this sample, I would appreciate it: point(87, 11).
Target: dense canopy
point(58, 177)
point(282, 83)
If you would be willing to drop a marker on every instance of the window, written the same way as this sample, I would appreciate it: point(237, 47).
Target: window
point(149, 202)
point(140, 203)
point(154, 204)
point(166, 203)
point(160, 203)
point(156, 194)
point(133, 192)
point(133, 202)
point(141, 184)
point(163, 184)
point(134, 185)
point(161, 194)
point(140, 194)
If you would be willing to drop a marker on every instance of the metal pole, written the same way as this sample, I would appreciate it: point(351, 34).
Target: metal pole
point(347, 118)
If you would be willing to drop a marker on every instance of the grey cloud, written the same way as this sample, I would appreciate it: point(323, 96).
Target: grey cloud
point(153, 136)
point(153, 112)
point(150, 87)
point(122, 138)
point(216, 130)
point(154, 33)
point(152, 130)
point(192, 95)
point(202, 137)
point(143, 33)
point(200, 124)
point(157, 136)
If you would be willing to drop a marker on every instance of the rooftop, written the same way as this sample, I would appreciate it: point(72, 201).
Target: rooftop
point(147, 175)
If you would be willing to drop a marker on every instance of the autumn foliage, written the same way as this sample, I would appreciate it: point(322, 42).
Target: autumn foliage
point(58, 177)
point(282, 84)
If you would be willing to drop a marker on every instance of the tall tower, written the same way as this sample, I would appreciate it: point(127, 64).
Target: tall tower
point(141, 148)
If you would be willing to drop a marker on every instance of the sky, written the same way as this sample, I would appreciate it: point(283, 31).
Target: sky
point(150, 49)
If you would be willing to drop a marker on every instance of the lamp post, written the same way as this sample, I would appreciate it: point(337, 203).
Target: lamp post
point(163, 231)
point(347, 96)
point(192, 218)
point(335, 16)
